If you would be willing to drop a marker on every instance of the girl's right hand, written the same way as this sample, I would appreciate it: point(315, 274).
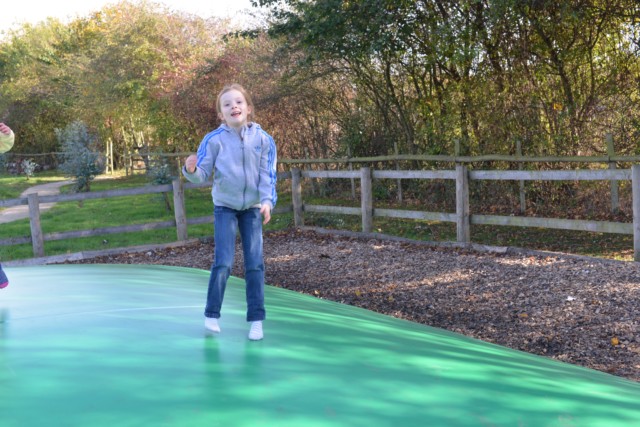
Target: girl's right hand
point(190, 163)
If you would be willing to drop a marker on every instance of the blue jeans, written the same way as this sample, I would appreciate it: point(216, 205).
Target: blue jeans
point(227, 223)
point(3, 277)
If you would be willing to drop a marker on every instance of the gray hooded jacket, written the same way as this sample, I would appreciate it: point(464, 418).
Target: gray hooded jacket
point(243, 165)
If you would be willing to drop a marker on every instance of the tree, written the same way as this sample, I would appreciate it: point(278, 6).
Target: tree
point(81, 159)
point(485, 72)
point(36, 96)
point(117, 70)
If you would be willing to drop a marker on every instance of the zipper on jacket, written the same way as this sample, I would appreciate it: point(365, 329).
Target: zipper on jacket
point(244, 171)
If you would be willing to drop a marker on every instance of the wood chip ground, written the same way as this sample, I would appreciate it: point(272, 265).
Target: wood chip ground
point(578, 310)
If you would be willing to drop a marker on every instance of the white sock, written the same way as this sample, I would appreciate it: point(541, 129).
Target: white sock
point(211, 324)
point(255, 333)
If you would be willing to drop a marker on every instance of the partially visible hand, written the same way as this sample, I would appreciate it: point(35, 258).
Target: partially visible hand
point(190, 163)
point(265, 211)
point(5, 129)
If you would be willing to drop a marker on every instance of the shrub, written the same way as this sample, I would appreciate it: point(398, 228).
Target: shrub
point(81, 159)
point(28, 167)
point(160, 173)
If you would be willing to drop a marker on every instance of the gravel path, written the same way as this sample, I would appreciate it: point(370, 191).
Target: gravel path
point(14, 213)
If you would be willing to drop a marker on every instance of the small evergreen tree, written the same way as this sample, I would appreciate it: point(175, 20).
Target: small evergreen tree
point(160, 173)
point(81, 159)
point(28, 167)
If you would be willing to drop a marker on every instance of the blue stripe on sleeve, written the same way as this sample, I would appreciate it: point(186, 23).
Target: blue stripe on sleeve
point(271, 166)
point(202, 149)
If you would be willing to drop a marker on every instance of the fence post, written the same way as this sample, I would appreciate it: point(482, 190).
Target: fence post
point(312, 181)
point(37, 239)
point(111, 156)
point(296, 197)
point(635, 195)
point(398, 181)
point(353, 181)
point(463, 228)
point(615, 200)
point(107, 157)
point(126, 159)
point(179, 210)
point(366, 194)
point(523, 200)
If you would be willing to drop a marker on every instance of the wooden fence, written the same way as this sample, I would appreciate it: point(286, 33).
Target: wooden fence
point(462, 217)
point(180, 221)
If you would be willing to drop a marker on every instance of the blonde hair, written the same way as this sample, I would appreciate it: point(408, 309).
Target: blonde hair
point(243, 91)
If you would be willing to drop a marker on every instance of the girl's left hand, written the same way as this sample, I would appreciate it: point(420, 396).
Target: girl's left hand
point(265, 211)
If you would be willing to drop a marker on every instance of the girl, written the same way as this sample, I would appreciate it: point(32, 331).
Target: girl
point(241, 157)
point(6, 142)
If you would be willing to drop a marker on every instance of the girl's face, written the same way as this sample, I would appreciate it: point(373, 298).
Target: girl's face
point(234, 110)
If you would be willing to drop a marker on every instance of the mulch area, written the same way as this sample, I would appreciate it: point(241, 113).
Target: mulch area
point(579, 310)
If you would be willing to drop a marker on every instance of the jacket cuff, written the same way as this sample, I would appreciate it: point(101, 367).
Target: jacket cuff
point(190, 176)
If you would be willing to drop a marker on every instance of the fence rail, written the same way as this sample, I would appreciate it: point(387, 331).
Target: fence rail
point(180, 221)
point(462, 217)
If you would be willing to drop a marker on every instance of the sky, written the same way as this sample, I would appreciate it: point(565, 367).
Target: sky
point(17, 12)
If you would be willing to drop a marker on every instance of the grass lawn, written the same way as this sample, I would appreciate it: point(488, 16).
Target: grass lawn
point(111, 212)
point(12, 186)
